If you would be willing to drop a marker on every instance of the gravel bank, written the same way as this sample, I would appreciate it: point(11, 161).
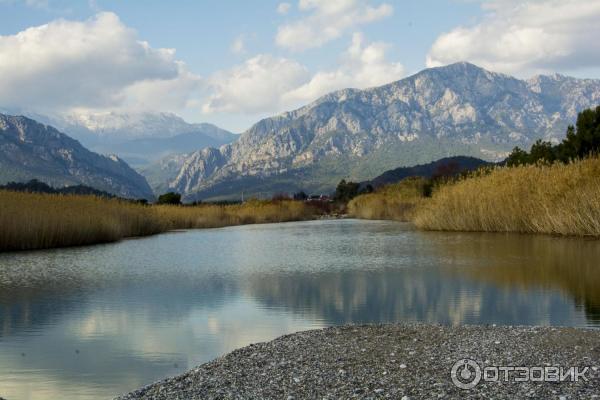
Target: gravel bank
point(390, 361)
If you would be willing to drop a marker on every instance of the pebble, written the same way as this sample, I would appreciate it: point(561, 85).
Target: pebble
point(324, 363)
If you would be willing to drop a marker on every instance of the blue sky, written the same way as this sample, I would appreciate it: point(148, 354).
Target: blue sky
point(233, 62)
point(203, 31)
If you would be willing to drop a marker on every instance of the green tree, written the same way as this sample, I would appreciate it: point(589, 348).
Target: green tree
point(517, 157)
point(169, 198)
point(300, 196)
point(542, 151)
point(583, 139)
point(367, 189)
point(346, 191)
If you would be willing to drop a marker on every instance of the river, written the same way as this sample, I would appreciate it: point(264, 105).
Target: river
point(94, 322)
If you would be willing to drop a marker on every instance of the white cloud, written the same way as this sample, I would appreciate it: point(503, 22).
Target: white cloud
point(181, 92)
point(94, 64)
point(328, 20)
point(255, 86)
point(267, 84)
point(239, 45)
point(284, 8)
point(363, 65)
point(526, 37)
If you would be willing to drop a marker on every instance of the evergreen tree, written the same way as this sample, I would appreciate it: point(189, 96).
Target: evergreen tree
point(169, 198)
point(582, 140)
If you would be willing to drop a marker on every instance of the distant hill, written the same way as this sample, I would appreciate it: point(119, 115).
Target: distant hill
point(458, 109)
point(141, 152)
point(449, 166)
point(161, 172)
point(30, 150)
point(35, 186)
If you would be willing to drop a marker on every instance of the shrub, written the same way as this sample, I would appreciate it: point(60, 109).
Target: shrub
point(301, 196)
point(346, 191)
point(169, 198)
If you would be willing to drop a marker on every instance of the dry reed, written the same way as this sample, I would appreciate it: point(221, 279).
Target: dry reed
point(395, 202)
point(35, 221)
point(562, 199)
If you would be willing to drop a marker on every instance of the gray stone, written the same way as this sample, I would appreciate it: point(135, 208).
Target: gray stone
point(238, 375)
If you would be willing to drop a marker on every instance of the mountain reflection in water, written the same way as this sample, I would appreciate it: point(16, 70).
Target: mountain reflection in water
point(92, 322)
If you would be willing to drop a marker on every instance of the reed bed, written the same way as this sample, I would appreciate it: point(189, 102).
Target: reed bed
point(36, 221)
point(251, 212)
point(562, 199)
point(396, 202)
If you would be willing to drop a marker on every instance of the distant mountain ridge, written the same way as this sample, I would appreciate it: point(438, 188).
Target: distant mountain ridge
point(133, 125)
point(138, 137)
point(30, 150)
point(143, 151)
point(35, 186)
point(449, 166)
point(459, 109)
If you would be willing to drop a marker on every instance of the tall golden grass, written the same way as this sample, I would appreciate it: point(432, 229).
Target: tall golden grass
point(250, 212)
point(35, 221)
point(562, 199)
point(394, 202)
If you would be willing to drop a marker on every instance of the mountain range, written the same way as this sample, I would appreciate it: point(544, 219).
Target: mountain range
point(31, 150)
point(140, 138)
point(459, 109)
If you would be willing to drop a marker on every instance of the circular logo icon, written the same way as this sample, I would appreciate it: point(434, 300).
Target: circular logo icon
point(466, 374)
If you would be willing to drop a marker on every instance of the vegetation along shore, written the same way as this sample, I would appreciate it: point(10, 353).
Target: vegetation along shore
point(557, 198)
point(553, 189)
point(38, 220)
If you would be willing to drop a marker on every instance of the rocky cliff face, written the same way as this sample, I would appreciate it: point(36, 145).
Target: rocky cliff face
point(459, 109)
point(31, 150)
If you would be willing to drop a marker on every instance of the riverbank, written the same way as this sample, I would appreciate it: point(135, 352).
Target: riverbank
point(396, 202)
point(389, 361)
point(40, 221)
point(556, 199)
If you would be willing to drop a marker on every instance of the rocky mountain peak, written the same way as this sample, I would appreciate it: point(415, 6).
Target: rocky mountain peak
point(458, 109)
point(30, 150)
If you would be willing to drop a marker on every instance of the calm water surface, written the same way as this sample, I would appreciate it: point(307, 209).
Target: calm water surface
point(93, 322)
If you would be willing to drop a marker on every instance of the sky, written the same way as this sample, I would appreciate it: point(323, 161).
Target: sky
point(232, 63)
